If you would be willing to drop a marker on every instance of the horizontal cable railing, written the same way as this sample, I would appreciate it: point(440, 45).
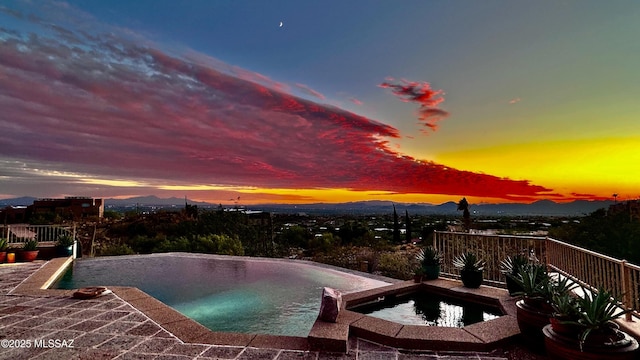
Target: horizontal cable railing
point(491, 248)
point(18, 234)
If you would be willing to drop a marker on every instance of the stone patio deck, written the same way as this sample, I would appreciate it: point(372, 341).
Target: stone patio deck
point(127, 325)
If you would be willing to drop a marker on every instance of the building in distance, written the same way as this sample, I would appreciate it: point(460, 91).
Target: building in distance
point(71, 208)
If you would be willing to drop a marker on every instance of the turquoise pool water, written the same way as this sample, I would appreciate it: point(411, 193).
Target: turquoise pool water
point(223, 293)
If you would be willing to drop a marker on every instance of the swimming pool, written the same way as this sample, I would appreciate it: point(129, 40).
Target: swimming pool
point(223, 293)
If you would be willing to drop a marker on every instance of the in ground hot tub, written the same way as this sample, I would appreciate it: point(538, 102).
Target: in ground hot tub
point(492, 308)
point(426, 308)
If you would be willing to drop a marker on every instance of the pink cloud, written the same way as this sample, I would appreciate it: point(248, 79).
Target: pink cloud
point(515, 100)
point(309, 91)
point(421, 93)
point(355, 101)
point(109, 107)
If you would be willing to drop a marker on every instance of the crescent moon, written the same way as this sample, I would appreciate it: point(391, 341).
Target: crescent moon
point(281, 24)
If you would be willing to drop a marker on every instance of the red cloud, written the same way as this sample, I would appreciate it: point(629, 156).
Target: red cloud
point(111, 108)
point(424, 95)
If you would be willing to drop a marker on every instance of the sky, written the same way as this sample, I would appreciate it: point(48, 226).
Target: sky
point(328, 101)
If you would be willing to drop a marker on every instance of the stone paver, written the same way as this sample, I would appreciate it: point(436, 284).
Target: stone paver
point(110, 328)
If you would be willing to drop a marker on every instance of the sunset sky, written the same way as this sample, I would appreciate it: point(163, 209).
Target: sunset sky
point(320, 101)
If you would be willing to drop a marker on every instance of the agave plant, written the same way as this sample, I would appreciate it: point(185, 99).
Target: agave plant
point(469, 261)
point(512, 264)
point(64, 240)
point(563, 285)
point(3, 244)
point(565, 306)
point(30, 245)
point(598, 311)
point(534, 281)
point(429, 256)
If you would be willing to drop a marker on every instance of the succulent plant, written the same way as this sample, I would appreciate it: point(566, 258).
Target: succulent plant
point(469, 261)
point(429, 256)
point(30, 245)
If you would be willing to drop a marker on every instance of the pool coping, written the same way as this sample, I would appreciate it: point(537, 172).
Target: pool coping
point(482, 336)
point(328, 337)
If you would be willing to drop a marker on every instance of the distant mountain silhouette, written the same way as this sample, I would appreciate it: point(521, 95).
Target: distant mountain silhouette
point(538, 208)
point(541, 208)
point(151, 200)
point(19, 201)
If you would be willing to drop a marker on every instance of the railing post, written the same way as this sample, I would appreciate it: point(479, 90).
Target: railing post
point(75, 245)
point(626, 300)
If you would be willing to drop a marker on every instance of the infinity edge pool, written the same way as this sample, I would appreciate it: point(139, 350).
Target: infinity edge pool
point(330, 337)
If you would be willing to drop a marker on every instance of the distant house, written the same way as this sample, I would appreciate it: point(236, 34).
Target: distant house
point(75, 208)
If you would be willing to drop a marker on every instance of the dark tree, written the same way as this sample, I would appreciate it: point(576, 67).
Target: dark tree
point(396, 226)
point(606, 232)
point(407, 222)
point(463, 206)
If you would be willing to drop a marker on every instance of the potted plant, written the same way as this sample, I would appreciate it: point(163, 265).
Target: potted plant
point(29, 250)
point(534, 309)
point(596, 335)
point(471, 268)
point(430, 260)
point(510, 267)
point(3, 249)
point(534, 282)
point(64, 245)
point(566, 312)
point(418, 274)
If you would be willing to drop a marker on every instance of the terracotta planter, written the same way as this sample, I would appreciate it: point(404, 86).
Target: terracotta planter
point(11, 258)
point(471, 278)
point(531, 319)
point(28, 256)
point(3, 256)
point(417, 278)
point(568, 330)
point(559, 346)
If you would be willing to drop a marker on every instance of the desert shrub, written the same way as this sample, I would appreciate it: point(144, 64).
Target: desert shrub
point(322, 243)
point(294, 236)
point(115, 249)
point(227, 245)
point(208, 244)
point(342, 256)
point(396, 265)
point(180, 244)
point(143, 244)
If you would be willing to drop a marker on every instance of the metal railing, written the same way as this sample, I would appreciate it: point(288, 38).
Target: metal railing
point(18, 234)
point(491, 248)
point(593, 269)
point(587, 267)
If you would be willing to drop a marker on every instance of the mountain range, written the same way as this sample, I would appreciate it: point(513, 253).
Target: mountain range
point(538, 208)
